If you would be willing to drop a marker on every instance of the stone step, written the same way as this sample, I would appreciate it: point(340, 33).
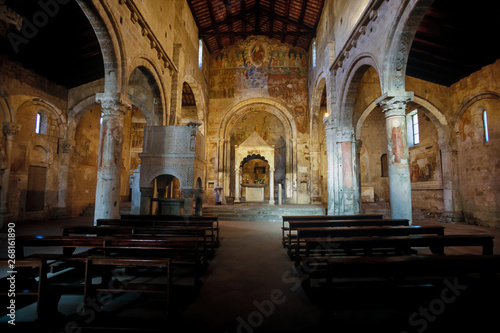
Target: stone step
point(90, 209)
point(260, 212)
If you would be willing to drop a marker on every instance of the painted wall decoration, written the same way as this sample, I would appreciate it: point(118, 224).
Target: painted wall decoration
point(266, 68)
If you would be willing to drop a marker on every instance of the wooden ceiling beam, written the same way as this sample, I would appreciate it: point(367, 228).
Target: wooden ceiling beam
point(301, 19)
point(287, 12)
point(212, 17)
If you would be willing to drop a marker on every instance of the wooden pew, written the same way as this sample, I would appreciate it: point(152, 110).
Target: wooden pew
point(184, 251)
point(108, 284)
point(370, 231)
point(322, 259)
point(132, 222)
point(174, 218)
point(398, 271)
point(30, 276)
point(166, 231)
point(400, 244)
point(290, 218)
point(293, 225)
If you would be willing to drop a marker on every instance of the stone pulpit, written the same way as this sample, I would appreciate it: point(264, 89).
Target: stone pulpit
point(176, 151)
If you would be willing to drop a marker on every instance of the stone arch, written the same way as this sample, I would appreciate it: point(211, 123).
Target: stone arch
point(318, 168)
point(108, 34)
point(76, 113)
point(178, 172)
point(240, 109)
point(468, 102)
point(149, 69)
point(201, 104)
point(151, 108)
point(290, 128)
point(348, 90)
point(6, 107)
point(407, 20)
point(316, 96)
point(50, 109)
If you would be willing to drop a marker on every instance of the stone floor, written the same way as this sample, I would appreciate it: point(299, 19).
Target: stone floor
point(251, 286)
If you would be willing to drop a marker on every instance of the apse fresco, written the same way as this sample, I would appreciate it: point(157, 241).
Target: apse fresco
point(261, 67)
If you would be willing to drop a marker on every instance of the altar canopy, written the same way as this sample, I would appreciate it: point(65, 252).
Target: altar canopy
point(254, 147)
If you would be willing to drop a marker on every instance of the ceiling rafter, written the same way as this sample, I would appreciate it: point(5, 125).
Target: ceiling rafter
point(222, 23)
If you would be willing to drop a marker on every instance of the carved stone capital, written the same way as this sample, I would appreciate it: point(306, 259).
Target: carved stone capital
point(394, 105)
point(345, 135)
point(11, 129)
point(329, 122)
point(113, 104)
point(65, 147)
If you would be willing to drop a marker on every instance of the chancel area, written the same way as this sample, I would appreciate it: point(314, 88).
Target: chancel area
point(250, 165)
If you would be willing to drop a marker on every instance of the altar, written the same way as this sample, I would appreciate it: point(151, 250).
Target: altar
point(254, 148)
point(254, 192)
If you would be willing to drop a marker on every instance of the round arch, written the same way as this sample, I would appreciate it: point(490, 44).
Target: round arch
point(50, 108)
point(401, 35)
point(150, 70)
point(348, 90)
point(468, 102)
point(201, 105)
point(290, 128)
point(316, 96)
point(242, 108)
point(108, 34)
point(6, 107)
point(152, 109)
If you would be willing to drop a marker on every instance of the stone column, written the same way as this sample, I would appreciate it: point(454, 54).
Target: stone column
point(347, 178)
point(65, 150)
point(237, 185)
point(188, 201)
point(136, 191)
point(9, 130)
point(107, 205)
point(147, 194)
point(330, 137)
point(451, 192)
point(271, 186)
point(394, 108)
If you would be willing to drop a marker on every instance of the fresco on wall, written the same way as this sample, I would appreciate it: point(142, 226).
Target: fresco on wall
point(424, 165)
point(266, 68)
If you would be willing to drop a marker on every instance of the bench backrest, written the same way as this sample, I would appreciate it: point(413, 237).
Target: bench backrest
point(332, 217)
point(368, 231)
point(348, 223)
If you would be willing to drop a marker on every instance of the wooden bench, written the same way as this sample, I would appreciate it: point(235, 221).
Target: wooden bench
point(290, 218)
point(324, 233)
point(211, 225)
point(293, 225)
point(30, 276)
point(175, 218)
point(399, 244)
point(184, 251)
point(167, 231)
point(395, 271)
point(108, 284)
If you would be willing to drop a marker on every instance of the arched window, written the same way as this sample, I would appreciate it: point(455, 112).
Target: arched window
point(200, 54)
point(384, 165)
point(41, 123)
point(413, 129)
point(485, 125)
point(314, 54)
